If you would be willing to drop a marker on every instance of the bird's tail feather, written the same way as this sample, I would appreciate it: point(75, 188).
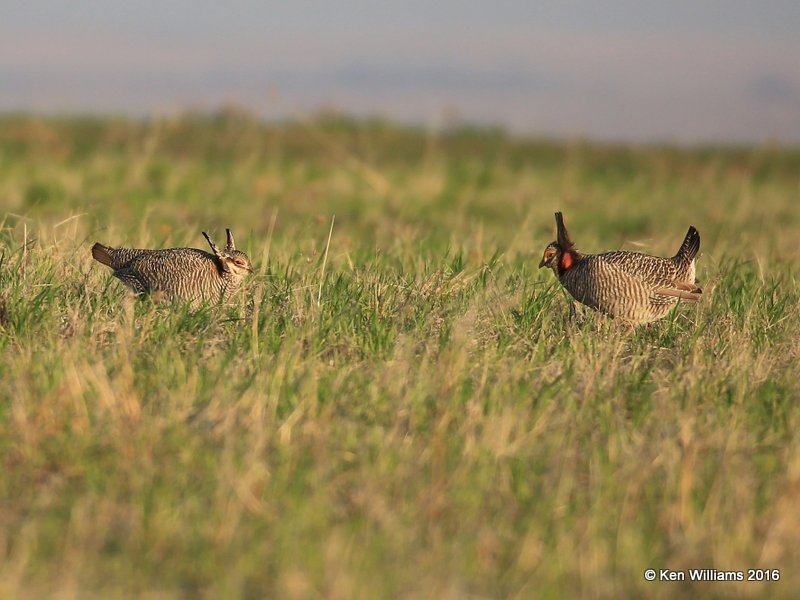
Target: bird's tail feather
point(101, 254)
point(690, 246)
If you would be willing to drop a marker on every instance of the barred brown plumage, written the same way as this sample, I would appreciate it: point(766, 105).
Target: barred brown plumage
point(187, 274)
point(632, 286)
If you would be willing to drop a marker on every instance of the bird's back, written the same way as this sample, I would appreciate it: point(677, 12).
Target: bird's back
point(655, 271)
point(174, 270)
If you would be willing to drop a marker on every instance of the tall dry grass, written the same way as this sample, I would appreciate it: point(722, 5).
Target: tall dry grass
point(422, 417)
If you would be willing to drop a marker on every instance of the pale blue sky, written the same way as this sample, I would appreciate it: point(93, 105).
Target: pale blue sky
point(621, 69)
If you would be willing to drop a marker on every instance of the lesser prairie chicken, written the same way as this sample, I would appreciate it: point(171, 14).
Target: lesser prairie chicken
point(187, 274)
point(632, 286)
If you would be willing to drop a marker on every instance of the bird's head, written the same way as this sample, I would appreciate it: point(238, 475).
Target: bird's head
point(231, 260)
point(560, 255)
point(236, 263)
point(552, 256)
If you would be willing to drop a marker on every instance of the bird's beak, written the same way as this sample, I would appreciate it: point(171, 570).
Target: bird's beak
point(541, 263)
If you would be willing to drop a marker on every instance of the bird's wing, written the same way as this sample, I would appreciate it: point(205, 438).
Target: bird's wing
point(132, 280)
point(681, 290)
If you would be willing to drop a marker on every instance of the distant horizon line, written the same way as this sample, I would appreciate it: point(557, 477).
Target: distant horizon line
point(454, 126)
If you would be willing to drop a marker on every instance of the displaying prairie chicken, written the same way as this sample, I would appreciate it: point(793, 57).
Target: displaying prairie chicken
point(636, 287)
point(187, 274)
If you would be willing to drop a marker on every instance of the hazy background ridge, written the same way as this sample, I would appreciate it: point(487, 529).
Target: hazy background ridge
point(719, 71)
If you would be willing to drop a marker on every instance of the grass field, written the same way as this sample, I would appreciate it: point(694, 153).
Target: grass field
point(417, 416)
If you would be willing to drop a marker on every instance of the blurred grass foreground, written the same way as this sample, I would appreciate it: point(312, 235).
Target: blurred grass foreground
point(414, 413)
